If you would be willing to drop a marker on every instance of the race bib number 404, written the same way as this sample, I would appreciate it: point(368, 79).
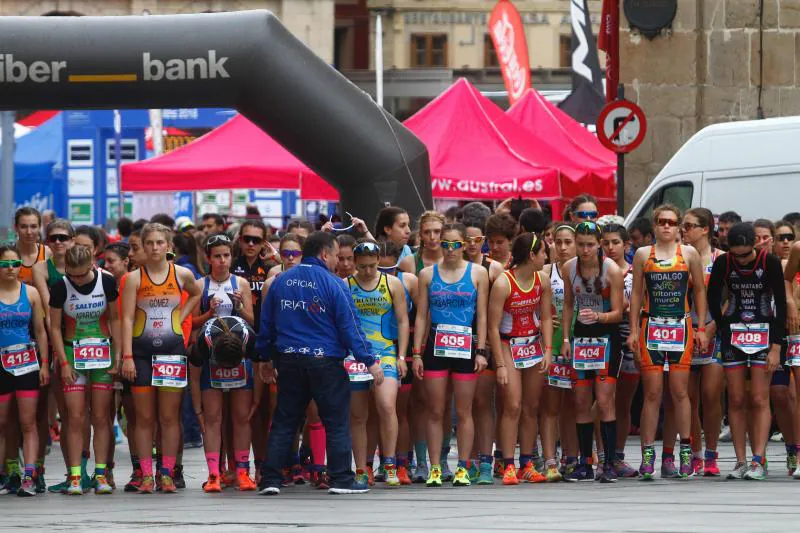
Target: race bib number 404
point(590, 353)
point(169, 371)
point(91, 354)
point(19, 359)
point(454, 342)
point(526, 351)
point(666, 334)
point(750, 338)
point(356, 371)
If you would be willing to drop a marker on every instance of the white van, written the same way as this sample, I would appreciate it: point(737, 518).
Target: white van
point(750, 167)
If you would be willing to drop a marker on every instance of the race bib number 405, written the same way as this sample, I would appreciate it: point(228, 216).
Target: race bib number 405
point(454, 342)
point(750, 338)
point(356, 371)
point(526, 351)
point(91, 354)
point(590, 353)
point(169, 371)
point(666, 334)
point(228, 378)
point(19, 359)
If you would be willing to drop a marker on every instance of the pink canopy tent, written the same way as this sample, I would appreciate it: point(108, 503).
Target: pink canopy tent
point(544, 119)
point(236, 155)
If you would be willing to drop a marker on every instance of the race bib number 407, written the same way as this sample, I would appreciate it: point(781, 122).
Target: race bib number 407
point(169, 371)
point(19, 359)
point(454, 342)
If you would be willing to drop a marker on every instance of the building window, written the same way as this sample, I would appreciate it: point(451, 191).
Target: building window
point(428, 50)
point(489, 53)
point(565, 50)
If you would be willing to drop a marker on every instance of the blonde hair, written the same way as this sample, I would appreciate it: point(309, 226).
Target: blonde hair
point(155, 227)
point(666, 207)
point(78, 256)
point(430, 216)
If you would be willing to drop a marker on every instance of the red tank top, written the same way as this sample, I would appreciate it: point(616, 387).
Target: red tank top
point(521, 308)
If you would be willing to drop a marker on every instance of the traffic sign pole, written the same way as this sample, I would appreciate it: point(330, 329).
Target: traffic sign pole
point(620, 163)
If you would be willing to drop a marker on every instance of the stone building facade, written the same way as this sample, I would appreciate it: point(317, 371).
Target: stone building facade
point(711, 67)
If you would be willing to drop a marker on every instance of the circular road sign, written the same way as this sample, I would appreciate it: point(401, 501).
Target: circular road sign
point(621, 126)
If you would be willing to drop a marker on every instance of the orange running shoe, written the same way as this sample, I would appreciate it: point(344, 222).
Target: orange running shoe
point(245, 483)
point(213, 484)
point(371, 476)
point(529, 474)
point(228, 479)
point(146, 486)
point(402, 475)
point(168, 485)
point(510, 476)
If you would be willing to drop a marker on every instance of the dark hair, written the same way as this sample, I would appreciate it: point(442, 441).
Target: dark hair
point(225, 241)
point(316, 242)
point(289, 237)
point(501, 224)
point(741, 234)
point(704, 217)
point(616, 228)
point(254, 223)
point(730, 217)
point(389, 249)
point(792, 218)
point(165, 219)
point(138, 225)
point(644, 226)
point(185, 245)
point(784, 224)
point(581, 199)
point(120, 248)
point(300, 223)
point(217, 218)
point(455, 226)
point(454, 213)
point(474, 215)
point(521, 249)
point(27, 211)
point(386, 218)
point(124, 227)
point(764, 223)
point(9, 248)
point(60, 223)
point(89, 231)
point(346, 241)
point(228, 347)
point(532, 219)
point(358, 251)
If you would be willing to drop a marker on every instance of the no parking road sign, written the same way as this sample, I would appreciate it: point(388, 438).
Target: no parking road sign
point(621, 126)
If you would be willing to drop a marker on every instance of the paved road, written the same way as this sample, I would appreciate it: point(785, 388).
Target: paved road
point(703, 505)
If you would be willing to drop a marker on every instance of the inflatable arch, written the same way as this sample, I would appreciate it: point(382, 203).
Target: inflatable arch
point(246, 60)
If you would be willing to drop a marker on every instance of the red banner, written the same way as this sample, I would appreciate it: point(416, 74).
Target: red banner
point(508, 36)
point(608, 41)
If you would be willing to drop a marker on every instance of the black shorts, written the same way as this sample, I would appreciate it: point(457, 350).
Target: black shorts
point(10, 383)
point(446, 364)
point(588, 377)
point(144, 366)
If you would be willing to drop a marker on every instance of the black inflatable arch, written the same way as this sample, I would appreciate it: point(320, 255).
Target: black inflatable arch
point(246, 60)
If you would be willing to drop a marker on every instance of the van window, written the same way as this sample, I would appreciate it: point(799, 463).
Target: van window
point(677, 194)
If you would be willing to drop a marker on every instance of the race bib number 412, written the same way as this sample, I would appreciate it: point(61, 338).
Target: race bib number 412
point(19, 359)
point(793, 352)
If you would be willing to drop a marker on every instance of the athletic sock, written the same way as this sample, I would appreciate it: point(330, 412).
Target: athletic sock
point(485, 458)
point(421, 451)
point(402, 460)
point(585, 433)
point(84, 463)
point(508, 461)
point(668, 450)
point(791, 449)
point(710, 454)
point(99, 469)
point(147, 466)
point(242, 461)
point(212, 460)
point(30, 469)
point(316, 436)
point(608, 432)
point(524, 460)
point(135, 462)
point(462, 463)
point(75, 471)
point(12, 466)
point(757, 459)
point(620, 454)
point(167, 465)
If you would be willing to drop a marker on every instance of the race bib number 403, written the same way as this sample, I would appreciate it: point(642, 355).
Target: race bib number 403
point(590, 353)
point(666, 334)
point(526, 351)
point(92, 354)
point(750, 338)
point(169, 371)
point(454, 342)
point(19, 359)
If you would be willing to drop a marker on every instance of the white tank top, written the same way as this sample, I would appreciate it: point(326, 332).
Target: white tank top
point(221, 290)
point(586, 294)
point(557, 288)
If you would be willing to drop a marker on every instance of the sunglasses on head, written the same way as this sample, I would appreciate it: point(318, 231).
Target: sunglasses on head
point(366, 248)
point(786, 237)
point(669, 222)
point(452, 245)
point(10, 263)
point(216, 239)
point(252, 239)
point(586, 214)
point(58, 237)
point(291, 253)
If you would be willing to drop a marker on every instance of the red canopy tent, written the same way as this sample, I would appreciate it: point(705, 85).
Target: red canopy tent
point(236, 155)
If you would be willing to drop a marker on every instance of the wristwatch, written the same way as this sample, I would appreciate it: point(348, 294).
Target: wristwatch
point(481, 352)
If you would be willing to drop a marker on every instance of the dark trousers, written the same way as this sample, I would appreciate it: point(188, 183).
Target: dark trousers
point(191, 427)
point(300, 380)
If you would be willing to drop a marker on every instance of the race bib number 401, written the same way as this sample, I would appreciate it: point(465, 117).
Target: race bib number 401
point(750, 338)
point(590, 353)
point(526, 351)
point(19, 359)
point(454, 342)
point(666, 334)
point(169, 371)
point(92, 354)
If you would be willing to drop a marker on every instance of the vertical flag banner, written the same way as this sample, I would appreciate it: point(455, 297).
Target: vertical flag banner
point(508, 36)
point(608, 41)
point(585, 63)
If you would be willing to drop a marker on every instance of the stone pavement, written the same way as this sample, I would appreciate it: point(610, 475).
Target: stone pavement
point(702, 505)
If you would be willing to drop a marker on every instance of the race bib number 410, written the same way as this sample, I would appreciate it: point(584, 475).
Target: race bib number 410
point(169, 371)
point(750, 338)
point(666, 334)
point(91, 354)
point(454, 342)
point(590, 353)
point(19, 359)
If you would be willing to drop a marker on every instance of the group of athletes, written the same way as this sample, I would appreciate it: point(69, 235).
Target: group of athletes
point(529, 333)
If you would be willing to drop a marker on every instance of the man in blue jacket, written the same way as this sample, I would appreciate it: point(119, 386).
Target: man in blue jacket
point(308, 325)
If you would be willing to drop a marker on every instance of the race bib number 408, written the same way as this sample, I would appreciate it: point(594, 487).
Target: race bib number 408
point(454, 342)
point(750, 338)
point(169, 371)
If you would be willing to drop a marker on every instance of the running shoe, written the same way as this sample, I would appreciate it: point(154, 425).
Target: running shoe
point(510, 476)
point(370, 477)
point(686, 463)
point(38, 480)
point(27, 488)
point(755, 472)
point(606, 474)
point(473, 470)
point(796, 473)
point(146, 486)
point(74, 487)
point(298, 475)
point(710, 468)
point(648, 466)
point(168, 484)
point(362, 477)
point(552, 474)
point(582, 472)
point(244, 482)
point(538, 461)
point(269, 491)
point(435, 479)
point(485, 474)
point(697, 466)
point(791, 463)
point(55, 432)
point(529, 474)
point(668, 469)
point(102, 486)
point(14, 484)
point(569, 468)
point(286, 478)
point(461, 478)
point(380, 473)
point(177, 476)
point(3, 484)
point(110, 477)
point(355, 488)
point(725, 434)
point(447, 474)
point(228, 478)
point(212, 485)
point(738, 471)
point(402, 475)
point(135, 482)
point(624, 470)
point(421, 473)
point(390, 472)
point(498, 471)
point(87, 483)
point(776, 437)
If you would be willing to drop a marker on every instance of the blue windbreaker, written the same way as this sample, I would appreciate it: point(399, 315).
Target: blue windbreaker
point(309, 311)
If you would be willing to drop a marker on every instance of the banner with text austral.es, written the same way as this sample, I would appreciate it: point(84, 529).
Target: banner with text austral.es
point(494, 190)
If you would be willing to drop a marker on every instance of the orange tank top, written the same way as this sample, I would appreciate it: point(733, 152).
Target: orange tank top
point(157, 324)
point(26, 272)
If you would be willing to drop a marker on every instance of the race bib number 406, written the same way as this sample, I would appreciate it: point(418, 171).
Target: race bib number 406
point(666, 334)
point(590, 353)
point(750, 338)
point(91, 354)
point(454, 342)
point(19, 359)
point(228, 378)
point(526, 351)
point(169, 371)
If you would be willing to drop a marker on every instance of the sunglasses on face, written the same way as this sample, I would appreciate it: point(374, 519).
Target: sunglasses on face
point(10, 263)
point(476, 240)
point(785, 237)
point(668, 222)
point(388, 270)
point(58, 237)
point(78, 276)
point(586, 214)
point(688, 226)
point(452, 245)
point(251, 239)
point(291, 253)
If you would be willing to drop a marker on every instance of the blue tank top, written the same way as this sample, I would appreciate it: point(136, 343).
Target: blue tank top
point(375, 310)
point(15, 320)
point(412, 314)
point(452, 303)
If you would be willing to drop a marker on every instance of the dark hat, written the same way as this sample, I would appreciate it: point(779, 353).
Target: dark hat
point(741, 234)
